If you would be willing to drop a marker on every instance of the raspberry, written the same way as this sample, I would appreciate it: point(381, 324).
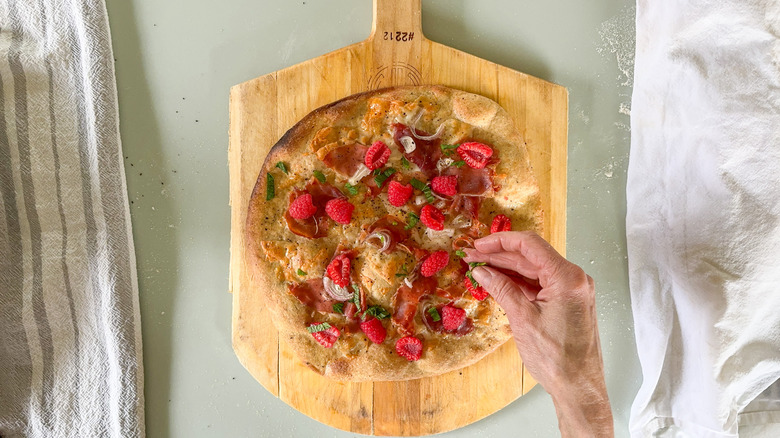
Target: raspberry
point(479, 293)
point(500, 223)
point(328, 337)
point(302, 207)
point(374, 330)
point(445, 185)
point(398, 193)
point(475, 154)
point(409, 347)
point(432, 217)
point(434, 263)
point(340, 210)
point(338, 270)
point(377, 155)
point(452, 317)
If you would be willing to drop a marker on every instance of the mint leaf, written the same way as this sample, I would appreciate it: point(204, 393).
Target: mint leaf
point(301, 272)
point(352, 190)
point(320, 176)
point(460, 253)
point(356, 296)
point(377, 312)
point(471, 278)
point(318, 328)
point(411, 221)
point(282, 167)
point(448, 148)
point(459, 163)
point(382, 176)
point(428, 195)
point(424, 188)
point(405, 163)
point(434, 314)
point(417, 184)
point(269, 186)
point(338, 307)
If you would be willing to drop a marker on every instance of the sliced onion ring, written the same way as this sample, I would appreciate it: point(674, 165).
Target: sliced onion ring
point(384, 239)
point(461, 221)
point(446, 232)
point(444, 163)
point(413, 127)
point(410, 278)
point(438, 196)
point(361, 172)
point(335, 291)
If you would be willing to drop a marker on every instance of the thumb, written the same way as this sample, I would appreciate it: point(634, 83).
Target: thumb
point(506, 292)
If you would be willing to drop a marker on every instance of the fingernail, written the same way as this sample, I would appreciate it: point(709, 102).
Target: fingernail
point(483, 276)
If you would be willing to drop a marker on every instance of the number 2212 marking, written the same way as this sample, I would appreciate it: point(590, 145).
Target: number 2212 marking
point(398, 36)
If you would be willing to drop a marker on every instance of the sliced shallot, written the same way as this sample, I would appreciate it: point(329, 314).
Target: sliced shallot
point(410, 278)
point(449, 232)
point(413, 128)
point(444, 163)
point(335, 291)
point(384, 239)
point(461, 221)
point(361, 172)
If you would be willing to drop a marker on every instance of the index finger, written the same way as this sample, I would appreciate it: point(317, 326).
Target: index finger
point(530, 245)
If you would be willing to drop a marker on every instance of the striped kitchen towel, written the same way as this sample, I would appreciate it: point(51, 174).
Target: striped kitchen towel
point(70, 333)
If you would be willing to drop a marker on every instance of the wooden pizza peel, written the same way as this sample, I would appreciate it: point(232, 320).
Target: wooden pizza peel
point(263, 109)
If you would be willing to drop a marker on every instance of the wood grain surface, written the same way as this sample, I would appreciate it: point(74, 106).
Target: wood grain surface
point(263, 109)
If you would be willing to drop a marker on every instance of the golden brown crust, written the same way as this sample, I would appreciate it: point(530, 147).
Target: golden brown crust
point(275, 254)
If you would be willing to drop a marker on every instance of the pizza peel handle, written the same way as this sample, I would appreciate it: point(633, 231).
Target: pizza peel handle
point(264, 108)
point(397, 20)
point(395, 43)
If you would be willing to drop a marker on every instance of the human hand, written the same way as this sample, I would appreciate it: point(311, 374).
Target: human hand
point(553, 323)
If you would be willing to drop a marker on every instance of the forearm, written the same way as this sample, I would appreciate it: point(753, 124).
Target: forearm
point(583, 410)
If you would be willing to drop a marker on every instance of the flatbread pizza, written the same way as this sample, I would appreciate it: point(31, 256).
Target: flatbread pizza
point(356, 226)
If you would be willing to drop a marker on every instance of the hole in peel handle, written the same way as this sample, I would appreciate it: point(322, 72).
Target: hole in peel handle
point(393, 18)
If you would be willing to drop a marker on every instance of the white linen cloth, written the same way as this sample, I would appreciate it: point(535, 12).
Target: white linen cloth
point(703, 221)
point(70, 345)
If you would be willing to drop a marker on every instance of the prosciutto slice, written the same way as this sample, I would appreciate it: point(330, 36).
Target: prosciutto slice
point(312, 294)
point(468, 205)
point(317, 225)
point(472, 181)
point(394, 227)
point(346, 159)
point(406, 301)
point(427, 153)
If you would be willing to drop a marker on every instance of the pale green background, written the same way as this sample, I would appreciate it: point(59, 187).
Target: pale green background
point(175, 62)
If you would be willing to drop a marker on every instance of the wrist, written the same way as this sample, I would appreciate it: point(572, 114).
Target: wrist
point(583, 409)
